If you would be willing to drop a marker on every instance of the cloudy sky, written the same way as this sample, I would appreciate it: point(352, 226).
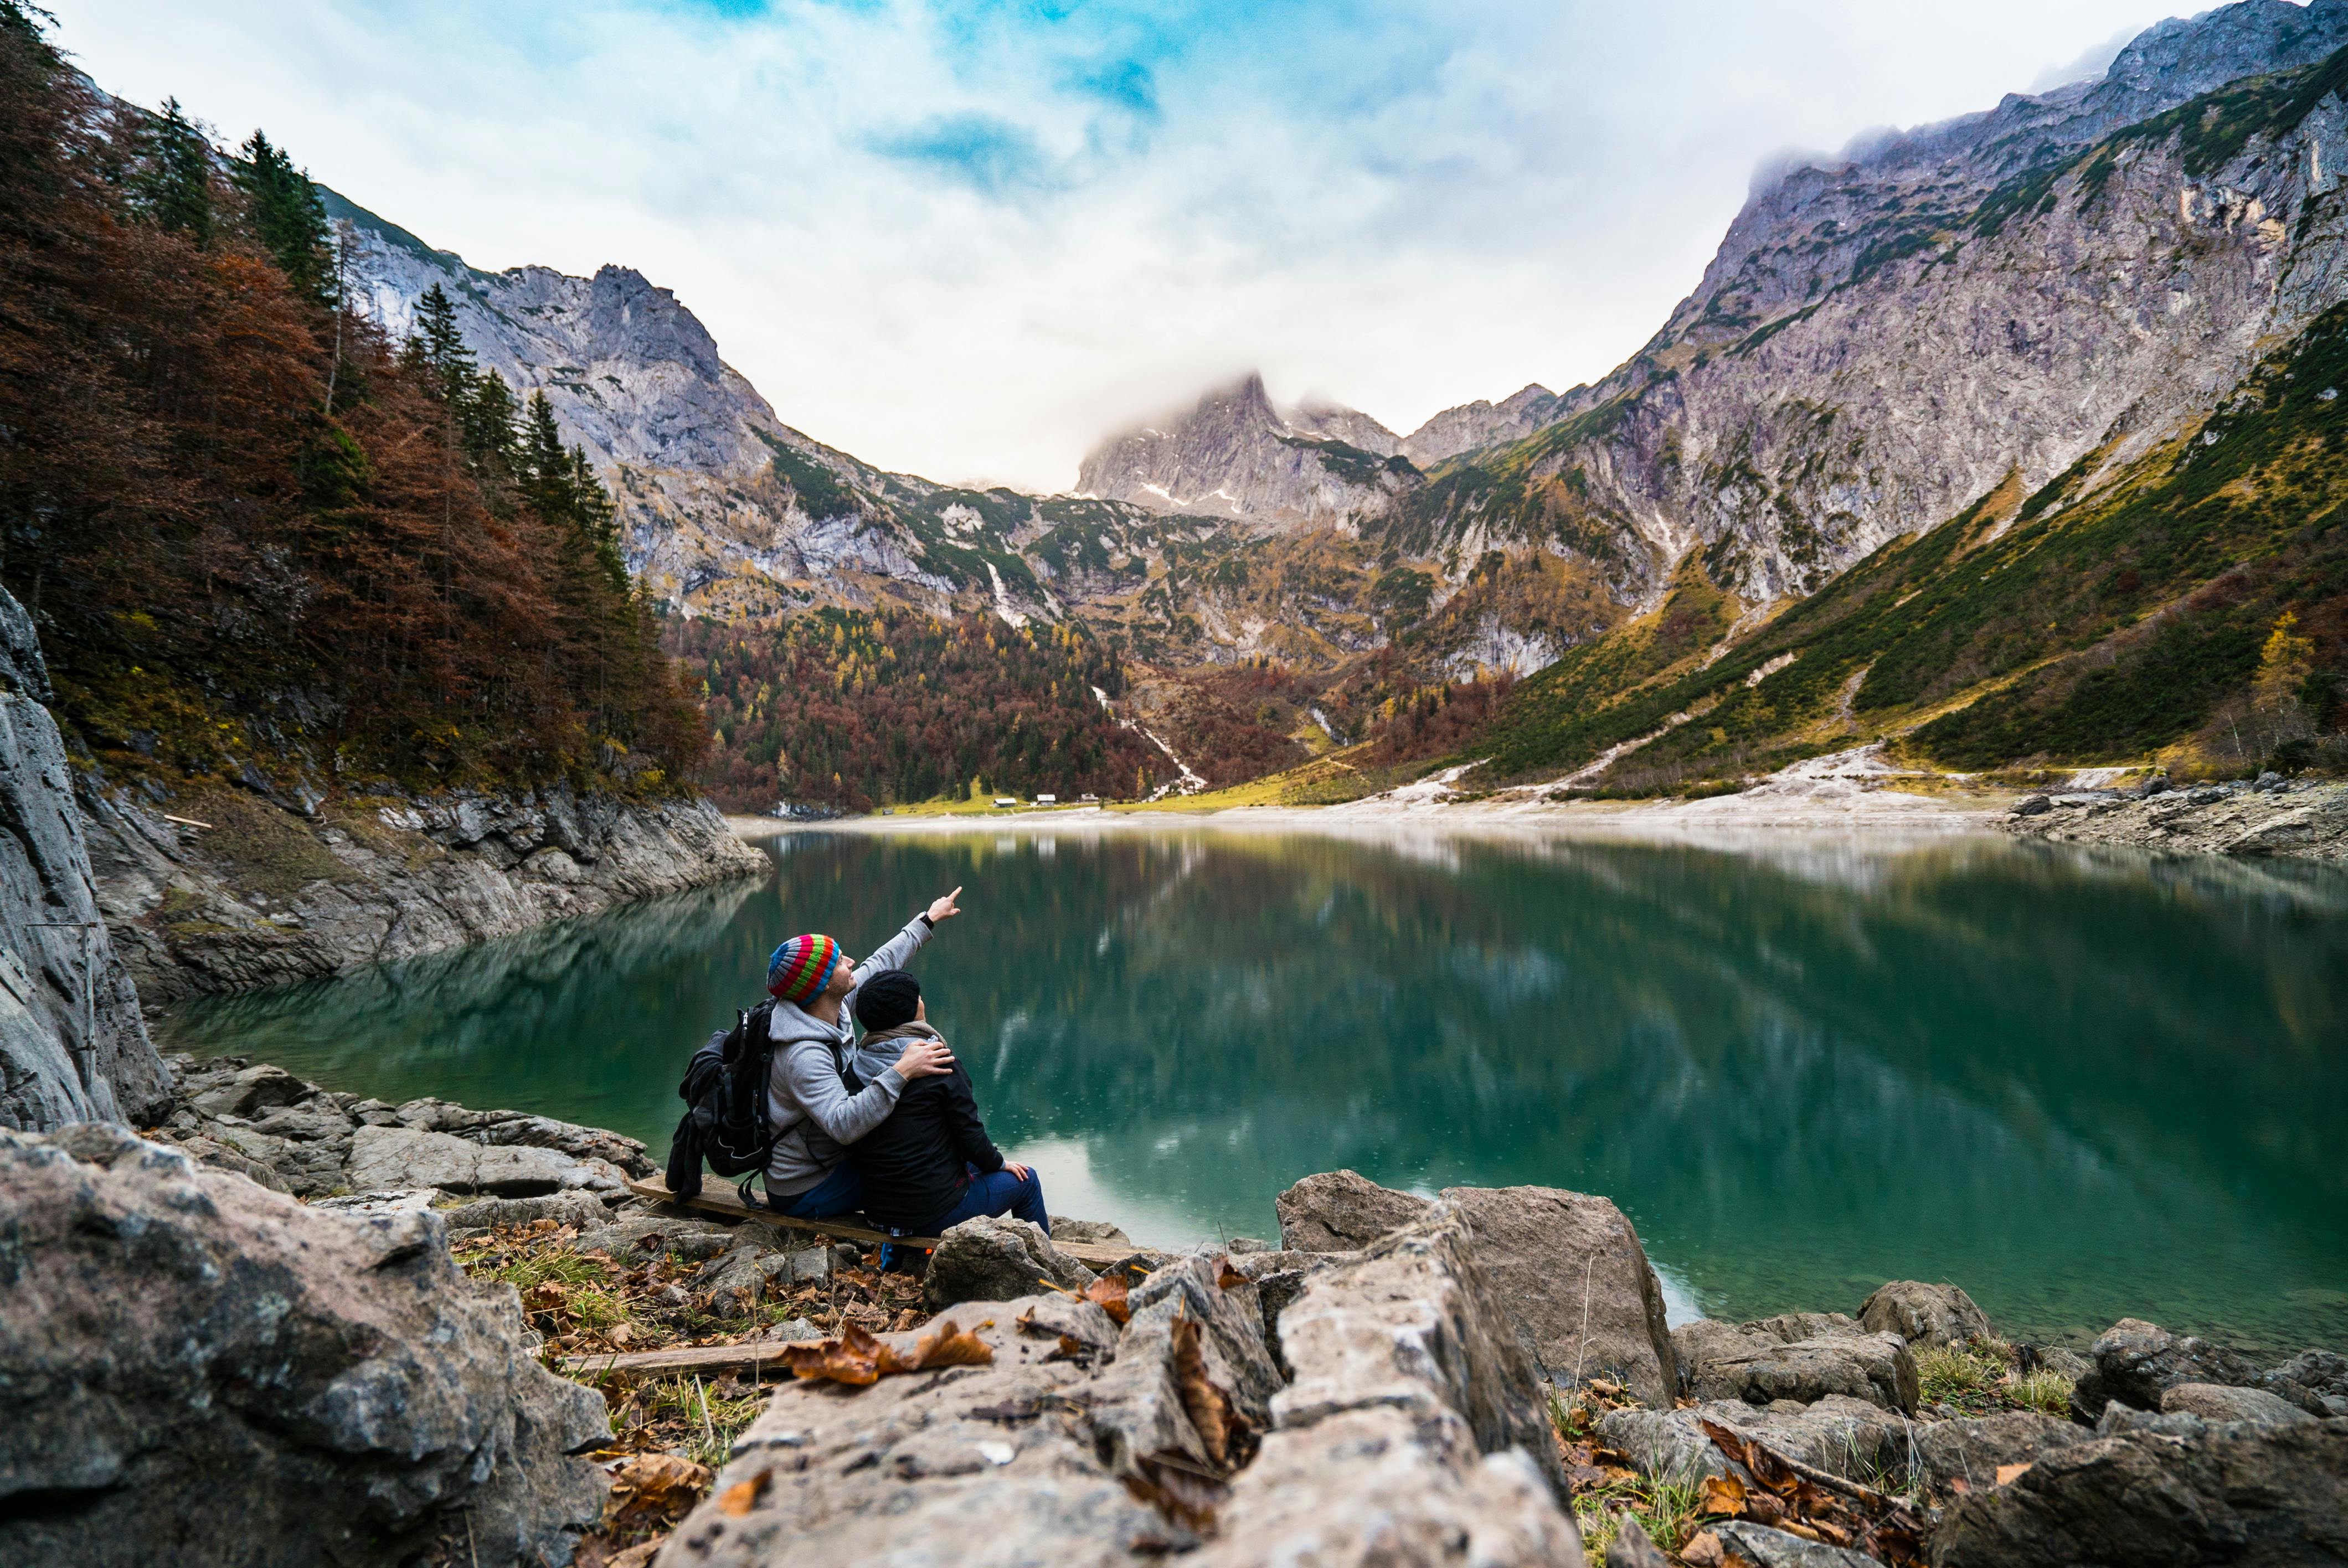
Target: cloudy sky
point(967, 239)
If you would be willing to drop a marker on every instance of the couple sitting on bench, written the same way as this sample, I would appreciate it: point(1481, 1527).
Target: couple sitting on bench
point(886, 1124)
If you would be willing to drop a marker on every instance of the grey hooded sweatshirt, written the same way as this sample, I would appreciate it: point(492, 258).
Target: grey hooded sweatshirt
point(813, 1113)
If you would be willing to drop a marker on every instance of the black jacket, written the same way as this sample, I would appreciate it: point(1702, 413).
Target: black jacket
point(913, 1163)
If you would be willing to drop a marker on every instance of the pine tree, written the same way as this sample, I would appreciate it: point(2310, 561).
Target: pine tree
point(485, 422)
point(174, 187)
point(437, 347)
point(545, 468)
point(599, 520)
point(289, 216)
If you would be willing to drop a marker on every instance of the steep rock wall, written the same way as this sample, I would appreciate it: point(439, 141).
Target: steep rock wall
point(263, 897)
point(1881, 342)
point(72, 1045)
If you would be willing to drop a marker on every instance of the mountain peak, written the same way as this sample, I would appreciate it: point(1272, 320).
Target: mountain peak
point(1236, 454)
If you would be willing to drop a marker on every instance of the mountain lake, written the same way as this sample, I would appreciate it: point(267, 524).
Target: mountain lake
point(2082, 1086)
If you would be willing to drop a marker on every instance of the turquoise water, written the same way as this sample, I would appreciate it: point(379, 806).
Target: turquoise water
point(2082, 1088)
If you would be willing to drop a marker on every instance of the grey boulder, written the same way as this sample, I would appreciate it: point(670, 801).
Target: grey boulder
point(581, 1209)
point(2136, 1362)
point(1923, 1314)
point(1973, 1450)
point(1557, 1259)
point(736, 1284)
point(2167, 1491)
point(1843, 1436)
point(410, 1157)
point(196, 1370)
point(1341, 1211)
point(1802, 1356)
point(249, 1093)
point(2216, 1402)
point(996, 1260)
point(73, 1045)
point(1767, 1548)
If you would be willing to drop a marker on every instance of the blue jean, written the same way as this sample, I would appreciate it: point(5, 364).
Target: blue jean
point(999, 1193)
point(840, 1193)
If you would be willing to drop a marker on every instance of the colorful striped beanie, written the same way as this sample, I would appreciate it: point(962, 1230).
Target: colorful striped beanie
point(801, 968)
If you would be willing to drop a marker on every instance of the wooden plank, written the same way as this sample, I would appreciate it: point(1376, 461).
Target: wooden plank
point(721, 1199)
point(717, 1198)
point(684, 1361)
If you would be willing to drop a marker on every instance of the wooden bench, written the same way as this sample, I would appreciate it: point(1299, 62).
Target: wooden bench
point(720, 1199)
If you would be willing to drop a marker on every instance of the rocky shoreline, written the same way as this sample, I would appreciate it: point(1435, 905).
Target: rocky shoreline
point(2270, 818)
point(240, 892)
point(1483, 1376)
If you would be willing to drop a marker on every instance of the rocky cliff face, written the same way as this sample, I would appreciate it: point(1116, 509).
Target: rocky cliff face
point(1882, 341)
point(258, 895)
point(726, 509)
point(72, 1045)
point(1237, 457)
point(1480, 424)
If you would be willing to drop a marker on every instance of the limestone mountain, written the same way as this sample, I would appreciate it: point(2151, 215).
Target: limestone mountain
point(2055, 287)
point(1480, 424)
point(1237, 457)
point(1882, 339)
point(727, 509)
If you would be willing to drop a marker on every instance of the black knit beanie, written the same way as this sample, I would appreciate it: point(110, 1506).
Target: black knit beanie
point(887, 1000)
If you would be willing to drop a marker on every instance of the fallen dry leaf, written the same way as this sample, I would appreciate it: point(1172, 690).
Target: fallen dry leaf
point(1703, 1550)
point(2006, 1472)
point(1108, 1293)
point(858, 1357)
point(1228, 1440)
point(651, 1487)
point(943, 1345)
point(1723, 1495)
point(854, 1357)
point(743, 1496)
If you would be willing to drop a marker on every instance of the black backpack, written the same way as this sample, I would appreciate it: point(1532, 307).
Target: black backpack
point(724, 1093)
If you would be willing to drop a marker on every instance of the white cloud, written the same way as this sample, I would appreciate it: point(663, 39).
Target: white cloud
point(957, 240)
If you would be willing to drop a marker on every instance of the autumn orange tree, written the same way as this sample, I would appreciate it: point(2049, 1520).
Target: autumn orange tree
point(853, 709)
point(253, 533)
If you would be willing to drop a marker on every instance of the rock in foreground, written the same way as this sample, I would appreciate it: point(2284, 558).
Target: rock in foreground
point(196, 1370)
point(996, 1260)
point(2173, 1491)
point(1408, 1436)
point(1557, 1259)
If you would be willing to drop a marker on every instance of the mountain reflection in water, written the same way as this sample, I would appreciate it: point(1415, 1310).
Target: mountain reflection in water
point(2081, 1087)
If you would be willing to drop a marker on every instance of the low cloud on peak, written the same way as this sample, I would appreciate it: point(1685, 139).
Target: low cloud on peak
point(961, 238)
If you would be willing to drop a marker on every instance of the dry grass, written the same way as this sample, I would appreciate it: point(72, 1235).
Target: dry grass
point(591, 1303)
point(1606, 1489)
point(1984, 1377)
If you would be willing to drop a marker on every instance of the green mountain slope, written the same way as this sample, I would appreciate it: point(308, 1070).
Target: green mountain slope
point(2108, 618)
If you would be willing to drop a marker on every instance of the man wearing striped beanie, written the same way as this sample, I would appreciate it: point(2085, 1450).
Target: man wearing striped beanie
point(813, 1113)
